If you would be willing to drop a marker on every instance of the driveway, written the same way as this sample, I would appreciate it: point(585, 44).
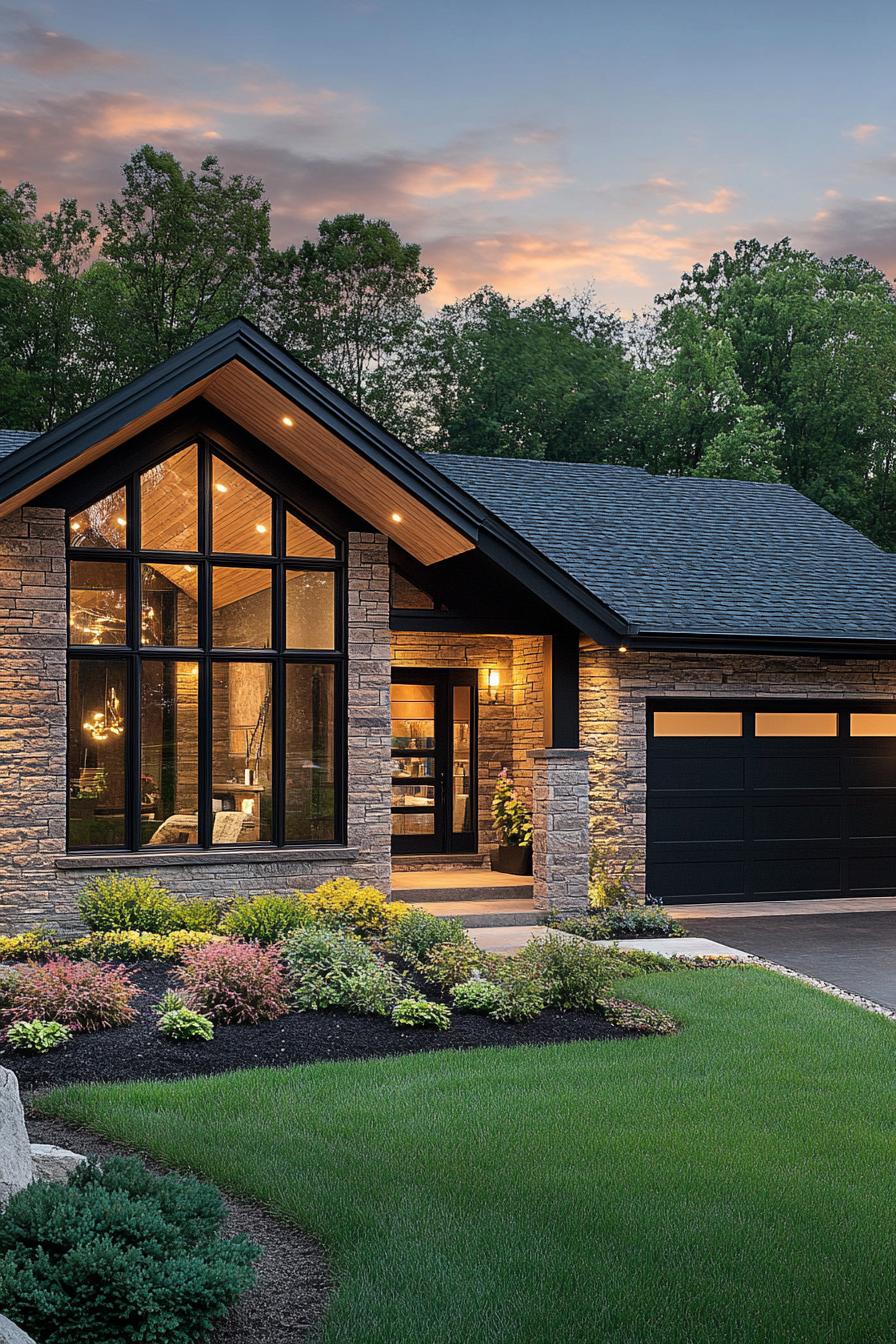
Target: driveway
point(857, 952)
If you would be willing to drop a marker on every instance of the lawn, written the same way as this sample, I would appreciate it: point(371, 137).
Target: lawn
point(735, 1182)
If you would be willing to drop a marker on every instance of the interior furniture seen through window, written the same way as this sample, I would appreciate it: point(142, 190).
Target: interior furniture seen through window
point(206, 687)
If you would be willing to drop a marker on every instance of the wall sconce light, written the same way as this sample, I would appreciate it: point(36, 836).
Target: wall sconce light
point(494, 681)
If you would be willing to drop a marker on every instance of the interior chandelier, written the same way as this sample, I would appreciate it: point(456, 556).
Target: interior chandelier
point(108, 721)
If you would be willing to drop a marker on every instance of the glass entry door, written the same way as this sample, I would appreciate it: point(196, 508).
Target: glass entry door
point(433, 761)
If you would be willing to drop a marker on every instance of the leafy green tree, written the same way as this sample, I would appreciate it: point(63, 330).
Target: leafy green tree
point(814, 349)
point(548, 379)
point(188, 247)
point(347, 304)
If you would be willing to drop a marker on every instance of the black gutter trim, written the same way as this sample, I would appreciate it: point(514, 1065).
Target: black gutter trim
point(770, 645)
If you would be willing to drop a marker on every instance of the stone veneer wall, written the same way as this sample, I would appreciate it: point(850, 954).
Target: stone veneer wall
point(38, 881)
point(615, 688)
point(512, 725)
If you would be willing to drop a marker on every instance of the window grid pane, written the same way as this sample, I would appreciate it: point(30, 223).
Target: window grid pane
point(140, 786)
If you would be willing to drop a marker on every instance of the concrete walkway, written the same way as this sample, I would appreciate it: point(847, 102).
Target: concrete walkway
point(511, 940)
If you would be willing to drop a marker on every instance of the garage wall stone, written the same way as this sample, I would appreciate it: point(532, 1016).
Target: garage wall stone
point(615, 688)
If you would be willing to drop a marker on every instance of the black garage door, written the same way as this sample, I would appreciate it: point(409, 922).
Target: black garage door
point(765, 800)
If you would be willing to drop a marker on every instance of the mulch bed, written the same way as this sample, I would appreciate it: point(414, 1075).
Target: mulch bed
point(293, 1280)
point(139, 1051)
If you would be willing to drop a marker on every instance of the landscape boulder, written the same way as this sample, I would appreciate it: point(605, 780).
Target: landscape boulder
point(15, 1150)
point(11, 1334)
point(53, 1164)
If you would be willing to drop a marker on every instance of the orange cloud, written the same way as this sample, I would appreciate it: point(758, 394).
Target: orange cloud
point(502, 182)
point(865, 130)
point(719, 203)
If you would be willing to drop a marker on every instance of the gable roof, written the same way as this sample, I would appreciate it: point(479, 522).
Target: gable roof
point(623, 556)
point(686, 556)
point(11, 439)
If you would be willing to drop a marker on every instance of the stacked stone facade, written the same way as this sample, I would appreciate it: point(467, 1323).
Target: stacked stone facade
point(39, 883)
point(560, 829)
point(615, 688)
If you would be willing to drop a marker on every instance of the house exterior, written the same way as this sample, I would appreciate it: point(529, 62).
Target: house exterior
point(249, 641)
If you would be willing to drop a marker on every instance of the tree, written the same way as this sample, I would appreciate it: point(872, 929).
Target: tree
point(189, 247)
point(347, 304)
point(548, 379)
point(813, 346)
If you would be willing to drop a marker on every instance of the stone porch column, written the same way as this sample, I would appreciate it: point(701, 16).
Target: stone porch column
point(369, 816)
point(560, 829)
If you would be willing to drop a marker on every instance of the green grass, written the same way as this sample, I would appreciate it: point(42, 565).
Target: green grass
point(733, 1183)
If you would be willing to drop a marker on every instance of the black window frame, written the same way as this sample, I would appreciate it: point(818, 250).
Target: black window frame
point(203, 653)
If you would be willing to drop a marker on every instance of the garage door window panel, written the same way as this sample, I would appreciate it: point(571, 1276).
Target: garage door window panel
point(783, 723)
point(697, 723)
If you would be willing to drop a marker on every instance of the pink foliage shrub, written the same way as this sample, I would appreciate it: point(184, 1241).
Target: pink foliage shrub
point(83, 995)
point(235, 982)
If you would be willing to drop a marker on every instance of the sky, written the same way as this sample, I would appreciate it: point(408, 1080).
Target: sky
point(531, 146)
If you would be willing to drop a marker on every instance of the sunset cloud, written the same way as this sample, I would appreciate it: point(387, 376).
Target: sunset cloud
point(719, 203)
point(865, 130)
point(47, 53)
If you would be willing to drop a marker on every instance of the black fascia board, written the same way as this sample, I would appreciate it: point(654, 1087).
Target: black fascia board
point(781, 645)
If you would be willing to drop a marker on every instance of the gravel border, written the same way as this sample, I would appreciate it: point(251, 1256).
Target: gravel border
point(293, 1282)
point(834, 990)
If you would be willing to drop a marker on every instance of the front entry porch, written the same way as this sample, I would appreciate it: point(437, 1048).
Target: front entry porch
point(478, 896)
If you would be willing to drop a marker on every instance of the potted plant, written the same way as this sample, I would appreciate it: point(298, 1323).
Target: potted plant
point(513, 823)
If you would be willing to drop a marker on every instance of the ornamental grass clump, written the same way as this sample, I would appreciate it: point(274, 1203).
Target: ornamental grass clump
point(82, 995)
point(344, 903)
point(234, 982)
point(265, 919)
point(118, 1255)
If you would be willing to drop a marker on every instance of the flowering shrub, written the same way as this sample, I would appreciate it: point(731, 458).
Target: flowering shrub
point(80, 994)
point(133, 945)
point(344, 903)
point(234, 982)
point(421, 1013)
point(320, 964)
point(182, 1024)
point(19, 946)
point(638, 1017)
point(113, 901)
point(414, 935)
point(263, 919)
point(37, 1036)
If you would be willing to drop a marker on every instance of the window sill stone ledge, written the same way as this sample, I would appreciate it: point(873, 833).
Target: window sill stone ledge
point(204, 858)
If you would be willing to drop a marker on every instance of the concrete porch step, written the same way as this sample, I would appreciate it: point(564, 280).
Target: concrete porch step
point(466, 885)
point(484, 914)
point(419, 863)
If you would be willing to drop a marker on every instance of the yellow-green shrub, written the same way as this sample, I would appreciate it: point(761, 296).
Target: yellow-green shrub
point(344, 903)
point(20, 946)
point(133, 945)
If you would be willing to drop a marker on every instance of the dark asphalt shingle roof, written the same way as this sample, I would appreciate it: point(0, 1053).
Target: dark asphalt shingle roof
point(11, 439)
point(684, 555)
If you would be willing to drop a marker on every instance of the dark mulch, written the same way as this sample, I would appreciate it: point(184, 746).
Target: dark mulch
point(139, 1051)
point(293, 1278)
